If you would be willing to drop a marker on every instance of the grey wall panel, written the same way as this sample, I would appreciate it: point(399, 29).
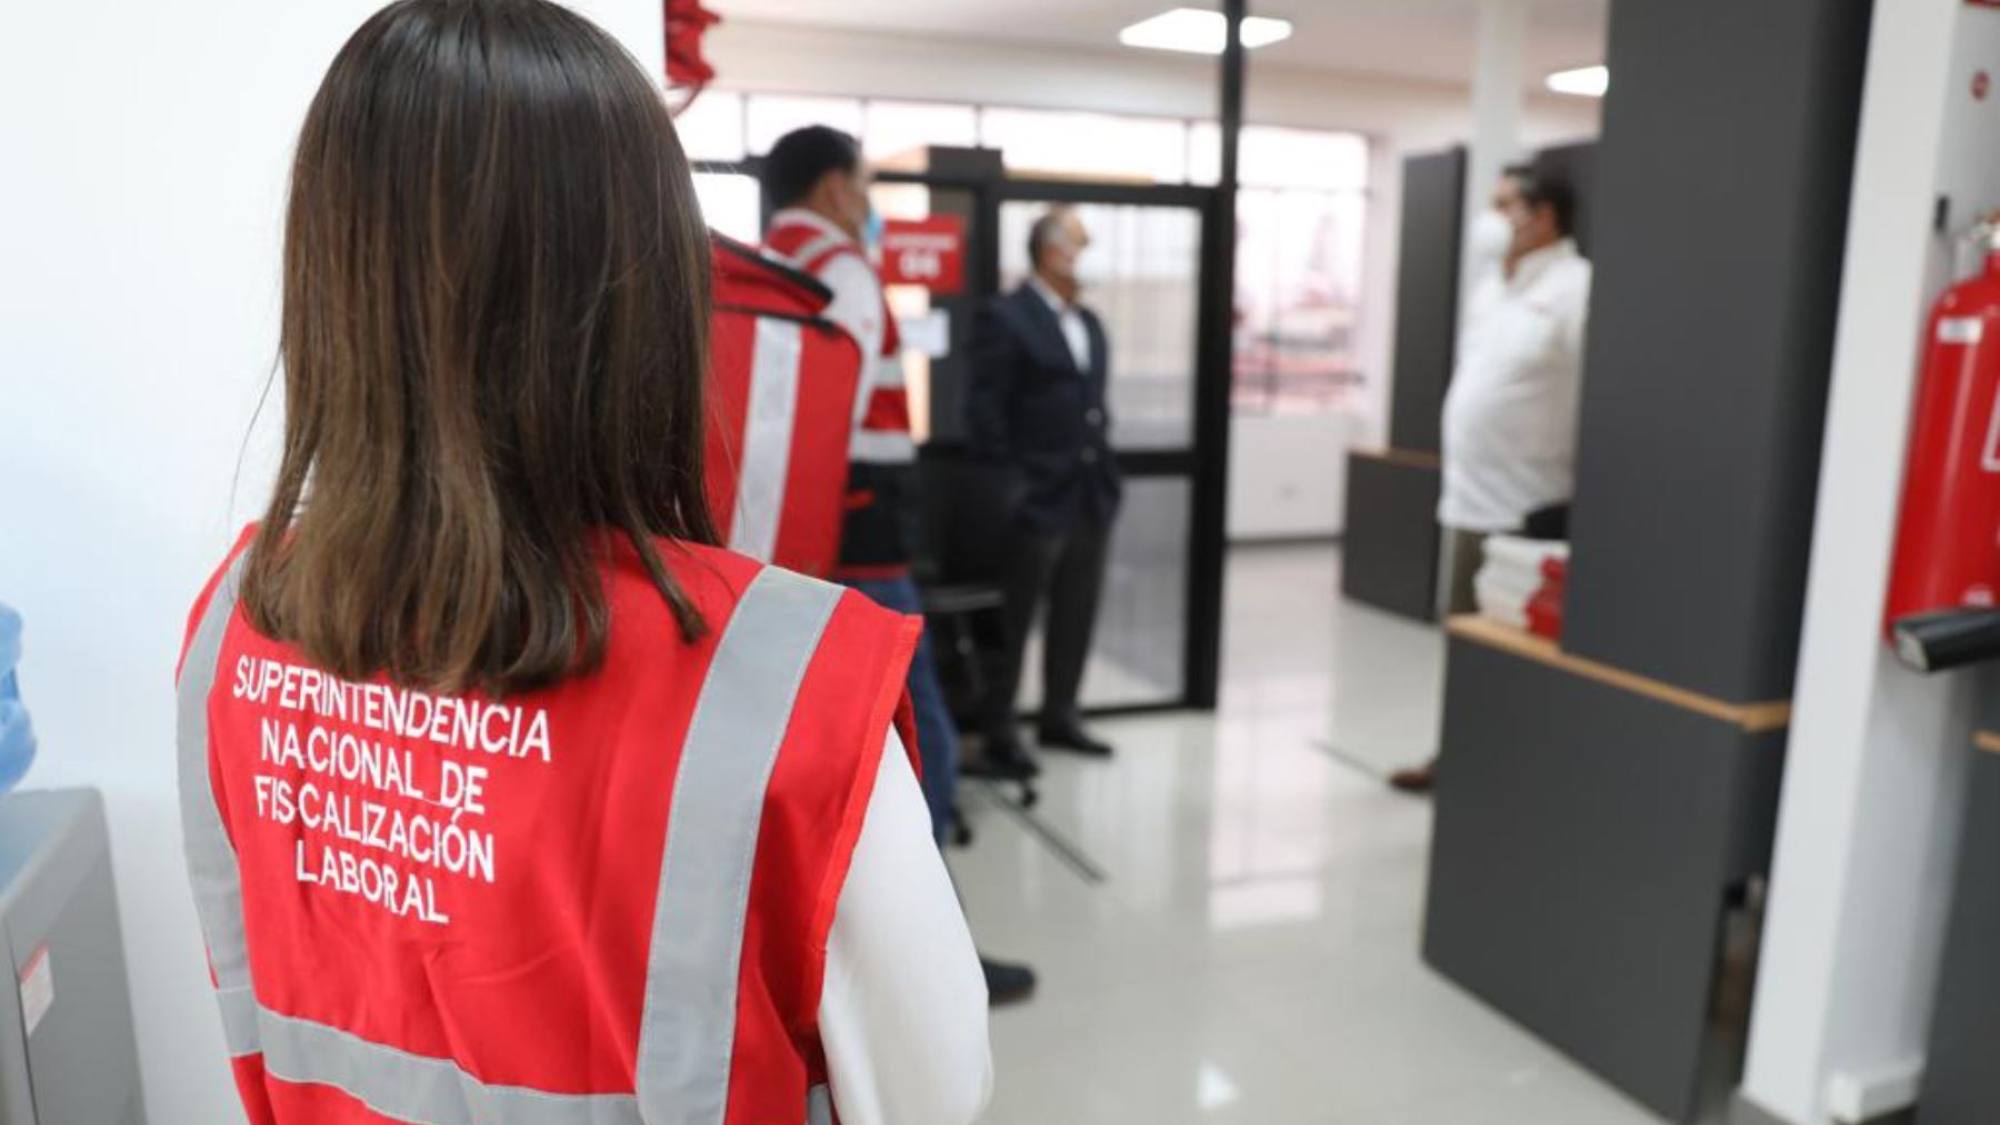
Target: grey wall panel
point(1722, 193)
point(1389, 556)
point(1426, 297)
point(1584, 844)
point(1988, 717)
point(1961, 1084)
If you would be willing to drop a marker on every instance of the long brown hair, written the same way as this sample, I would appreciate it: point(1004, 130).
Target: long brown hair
point(495, 333)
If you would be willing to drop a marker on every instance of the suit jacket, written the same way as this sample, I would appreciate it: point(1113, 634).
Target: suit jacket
point(1029, 408)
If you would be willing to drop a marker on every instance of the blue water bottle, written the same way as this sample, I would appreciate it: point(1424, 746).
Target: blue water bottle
point(17, 738)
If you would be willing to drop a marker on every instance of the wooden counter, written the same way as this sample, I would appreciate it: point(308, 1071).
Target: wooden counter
point(1754, 718)
point(1591, 825)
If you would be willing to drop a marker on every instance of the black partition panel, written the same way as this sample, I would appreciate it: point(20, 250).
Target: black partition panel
point(1426, 297)
point(1390, 554)
point(1586, 841)
point(1723, 180)
point(1961, 1086)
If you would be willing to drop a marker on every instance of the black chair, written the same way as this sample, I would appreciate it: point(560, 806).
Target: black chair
point(961, 544)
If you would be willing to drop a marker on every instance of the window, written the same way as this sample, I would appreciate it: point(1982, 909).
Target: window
point(1143, 275)
point(1298, 297)
point(1273, 156)
point(1102, 144)
point(732, 204)
point(1302, 158)
point(894, 128)
point(1300, 219)
point(771, 116)
point(712, 128)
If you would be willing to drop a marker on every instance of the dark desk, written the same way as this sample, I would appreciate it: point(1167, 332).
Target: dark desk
point(1590, 826)
point(1961, 1084)
point(1389, 550)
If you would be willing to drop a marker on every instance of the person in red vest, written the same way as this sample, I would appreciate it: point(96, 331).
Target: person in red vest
point(507, 796)
point(816, 180)
point(781, 382)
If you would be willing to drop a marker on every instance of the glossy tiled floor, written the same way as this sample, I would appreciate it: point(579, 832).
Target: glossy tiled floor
point(1234, 938)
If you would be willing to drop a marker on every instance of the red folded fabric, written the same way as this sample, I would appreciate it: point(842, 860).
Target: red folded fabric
point(1545, 611)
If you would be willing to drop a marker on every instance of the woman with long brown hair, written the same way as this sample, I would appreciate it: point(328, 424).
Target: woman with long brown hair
point(508, 797)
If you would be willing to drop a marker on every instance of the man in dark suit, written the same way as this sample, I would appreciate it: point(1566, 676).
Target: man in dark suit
point(1035, 403)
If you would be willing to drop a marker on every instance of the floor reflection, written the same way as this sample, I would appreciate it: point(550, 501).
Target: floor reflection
point(1250, 954)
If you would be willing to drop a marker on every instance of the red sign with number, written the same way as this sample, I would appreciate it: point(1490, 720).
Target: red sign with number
point(927, 252)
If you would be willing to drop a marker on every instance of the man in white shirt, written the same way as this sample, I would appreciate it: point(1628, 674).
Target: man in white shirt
point(1510, 415)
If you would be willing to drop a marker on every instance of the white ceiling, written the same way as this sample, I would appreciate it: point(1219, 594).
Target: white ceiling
point(1422, 39)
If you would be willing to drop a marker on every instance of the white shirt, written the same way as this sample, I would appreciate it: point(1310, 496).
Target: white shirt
point(1510, 415)
point(1075, 332)
point(903, 1012)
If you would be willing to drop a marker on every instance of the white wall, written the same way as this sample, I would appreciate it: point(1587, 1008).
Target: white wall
point(146, 152)
point(1287, 474)
point(1870, 813)
point(1400, 115)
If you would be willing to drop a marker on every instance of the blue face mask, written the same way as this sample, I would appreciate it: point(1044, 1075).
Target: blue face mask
point(17, 738)
point(871, 229)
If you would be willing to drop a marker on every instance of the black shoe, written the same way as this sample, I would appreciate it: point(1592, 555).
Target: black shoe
point(1417, 780)
point(1073, 739)
point(1002, 759)
point(1005, 983)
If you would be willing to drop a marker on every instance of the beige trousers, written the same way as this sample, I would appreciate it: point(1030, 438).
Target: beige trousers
point(1464, 553)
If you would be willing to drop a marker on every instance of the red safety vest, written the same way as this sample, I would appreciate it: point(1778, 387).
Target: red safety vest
point(875, 542)
point(882, 418)
point(602, 903)
point(782, 385)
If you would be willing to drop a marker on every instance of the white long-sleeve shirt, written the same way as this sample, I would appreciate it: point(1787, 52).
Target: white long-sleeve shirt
point(1075, 332)
point(1510, 415)
point(903, 1012)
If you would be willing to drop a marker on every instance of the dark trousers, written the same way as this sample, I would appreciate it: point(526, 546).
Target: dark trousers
point(937, 735)
point(1065, 572)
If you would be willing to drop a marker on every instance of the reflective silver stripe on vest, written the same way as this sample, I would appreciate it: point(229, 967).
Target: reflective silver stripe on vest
point(819, 1106)
point(419, 1089)
point(687, 1033)
point(770, 418)
point(806, 256)
point(239, 1019)
point(218, 891)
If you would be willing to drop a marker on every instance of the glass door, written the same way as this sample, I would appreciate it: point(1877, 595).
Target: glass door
point(1143, 275)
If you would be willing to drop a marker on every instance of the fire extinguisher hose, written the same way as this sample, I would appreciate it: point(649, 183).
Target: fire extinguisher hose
point(1933, 642)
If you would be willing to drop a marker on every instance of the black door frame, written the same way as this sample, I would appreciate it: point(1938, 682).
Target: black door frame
point(1204, 461)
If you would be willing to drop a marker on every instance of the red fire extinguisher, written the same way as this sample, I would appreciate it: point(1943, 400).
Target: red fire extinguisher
point(1948, 541)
